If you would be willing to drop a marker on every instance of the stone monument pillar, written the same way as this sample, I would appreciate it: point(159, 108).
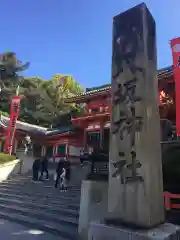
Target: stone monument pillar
point(135, 195)
point(135, 177)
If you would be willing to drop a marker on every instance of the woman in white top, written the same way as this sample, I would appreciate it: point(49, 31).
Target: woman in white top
point(63, 186)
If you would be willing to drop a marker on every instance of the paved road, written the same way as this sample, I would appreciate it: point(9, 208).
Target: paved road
point(13, 231)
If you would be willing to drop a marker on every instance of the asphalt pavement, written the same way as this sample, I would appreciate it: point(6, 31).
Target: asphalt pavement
point(13, 231)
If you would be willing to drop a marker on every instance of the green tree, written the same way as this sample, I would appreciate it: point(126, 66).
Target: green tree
point(42, 100)
point(6, 114)
point(10, 66)
point(65, 86)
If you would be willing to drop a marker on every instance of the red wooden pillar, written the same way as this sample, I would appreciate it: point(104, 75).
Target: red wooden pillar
point(175, 46)
point(85, 139)
point(67, 150)
point(14, 146)
point(54, 152)
point(101, 134)
point(167, 201)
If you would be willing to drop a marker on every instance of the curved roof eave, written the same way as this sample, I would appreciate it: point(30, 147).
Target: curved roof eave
point(92, 91)
point(36, 130)
point(4, 122)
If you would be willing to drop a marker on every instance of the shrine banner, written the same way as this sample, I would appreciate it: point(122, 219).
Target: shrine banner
point(14, 113)
point(175, 46)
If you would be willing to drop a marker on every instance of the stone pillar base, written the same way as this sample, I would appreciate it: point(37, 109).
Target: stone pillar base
point(100, 231)
point(93, 205)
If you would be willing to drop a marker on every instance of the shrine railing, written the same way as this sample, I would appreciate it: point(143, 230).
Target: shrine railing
point(170, 201)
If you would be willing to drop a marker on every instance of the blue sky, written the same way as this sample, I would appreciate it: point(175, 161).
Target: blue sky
point(75, 36)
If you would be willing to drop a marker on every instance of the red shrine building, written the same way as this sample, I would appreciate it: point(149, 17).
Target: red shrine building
point(90, 130)
point(56, 143)
point(97, 101)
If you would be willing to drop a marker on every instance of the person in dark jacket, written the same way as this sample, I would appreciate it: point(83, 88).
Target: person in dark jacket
point(35, 168)
point(68, 173)
point(59, 171)
point(84, 157)
point(44, 167)
point(81, 157)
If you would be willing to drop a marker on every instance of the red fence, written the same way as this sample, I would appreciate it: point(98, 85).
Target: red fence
point(168, 197)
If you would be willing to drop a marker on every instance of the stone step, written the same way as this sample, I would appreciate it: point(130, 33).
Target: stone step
point(27, 199)
point(41, 206)
point(66, 232)
point(60, 206)
point(39, 214)
point(29, 176)
point(20, 182)
point(44, 196)
point(44, 183)
point(45, 207)
point(24, 179)
point(40, 188)
point(37, 197)
point(43, 193)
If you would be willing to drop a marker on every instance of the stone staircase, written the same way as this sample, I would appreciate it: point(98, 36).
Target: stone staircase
point(41, 206)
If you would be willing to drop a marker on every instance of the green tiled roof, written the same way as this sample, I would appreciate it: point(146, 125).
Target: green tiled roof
point(55, 131)
point(97, 88)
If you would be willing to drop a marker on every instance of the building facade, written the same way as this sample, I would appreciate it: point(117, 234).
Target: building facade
point(90, 130)
point(55, 143)
point(97, 101)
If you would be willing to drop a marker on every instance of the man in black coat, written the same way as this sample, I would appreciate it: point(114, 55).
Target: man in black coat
point(44, 167)
point(68, 172)
point(35, 168)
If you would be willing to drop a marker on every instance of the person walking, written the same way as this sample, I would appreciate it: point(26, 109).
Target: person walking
point(35, 169)
point(59, 171)
point(44, 168)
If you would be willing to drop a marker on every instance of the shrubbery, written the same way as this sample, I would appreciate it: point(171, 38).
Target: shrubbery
point(4, 158)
